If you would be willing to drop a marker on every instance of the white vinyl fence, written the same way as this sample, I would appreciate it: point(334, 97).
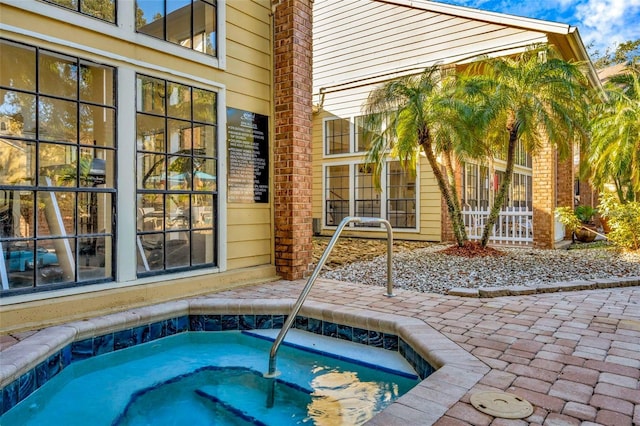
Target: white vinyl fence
point(514, 226)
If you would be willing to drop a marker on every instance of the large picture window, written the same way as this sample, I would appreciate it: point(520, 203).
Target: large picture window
point(478, 185)
point(188, 23)
point(57, 169)
point(350, 188)
point(176, 176)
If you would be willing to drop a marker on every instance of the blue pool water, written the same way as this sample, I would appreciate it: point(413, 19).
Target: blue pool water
point(216, 378)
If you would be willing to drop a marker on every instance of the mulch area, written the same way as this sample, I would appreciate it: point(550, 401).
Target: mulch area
point(349, 250)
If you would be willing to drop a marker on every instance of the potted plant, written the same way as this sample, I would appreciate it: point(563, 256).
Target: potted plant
point(579, 221)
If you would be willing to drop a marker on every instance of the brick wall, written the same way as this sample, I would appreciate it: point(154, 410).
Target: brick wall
point(292, 147)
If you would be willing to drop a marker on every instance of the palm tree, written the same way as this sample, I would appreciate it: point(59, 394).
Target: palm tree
point(533, 98)
point(416, 112)
point(613, 152)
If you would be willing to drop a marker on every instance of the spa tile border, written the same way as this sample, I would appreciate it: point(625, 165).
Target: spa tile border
point(29, 364)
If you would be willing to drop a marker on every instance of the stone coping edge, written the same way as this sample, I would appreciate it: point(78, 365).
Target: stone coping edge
point(456, 370)
point(521, 290)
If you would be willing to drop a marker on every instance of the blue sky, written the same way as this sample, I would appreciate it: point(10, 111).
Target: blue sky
point(603, 22)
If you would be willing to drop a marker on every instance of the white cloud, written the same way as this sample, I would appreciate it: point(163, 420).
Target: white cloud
point(608, 22)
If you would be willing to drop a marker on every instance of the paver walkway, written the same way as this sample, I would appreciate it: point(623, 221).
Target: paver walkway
point(575, 355)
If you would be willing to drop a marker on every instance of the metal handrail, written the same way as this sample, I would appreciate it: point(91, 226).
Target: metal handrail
point(272, 374)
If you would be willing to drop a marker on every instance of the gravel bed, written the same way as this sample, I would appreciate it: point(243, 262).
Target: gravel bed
point(428, 270)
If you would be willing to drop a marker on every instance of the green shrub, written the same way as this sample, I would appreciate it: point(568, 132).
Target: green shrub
point(623, 219)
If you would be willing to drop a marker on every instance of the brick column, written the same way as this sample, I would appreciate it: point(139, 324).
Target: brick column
point(292, 147)
point(544, 197)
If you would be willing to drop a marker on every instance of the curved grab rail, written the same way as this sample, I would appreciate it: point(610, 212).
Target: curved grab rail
point(307, 288)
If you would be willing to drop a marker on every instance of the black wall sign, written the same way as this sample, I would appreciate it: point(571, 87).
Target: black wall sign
point(248, 165)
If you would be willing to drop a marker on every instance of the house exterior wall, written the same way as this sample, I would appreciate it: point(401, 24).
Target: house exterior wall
point(362, 43)
point(241, 76)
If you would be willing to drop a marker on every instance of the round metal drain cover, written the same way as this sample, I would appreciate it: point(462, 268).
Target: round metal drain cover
point(501, 404)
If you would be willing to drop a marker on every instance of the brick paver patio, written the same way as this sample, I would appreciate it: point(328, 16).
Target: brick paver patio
point(574, 355)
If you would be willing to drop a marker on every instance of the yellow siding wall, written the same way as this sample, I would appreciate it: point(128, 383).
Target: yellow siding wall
point(247, 79)
point(249, 64)
point(244, 81)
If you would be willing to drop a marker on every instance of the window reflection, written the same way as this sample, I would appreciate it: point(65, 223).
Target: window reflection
point(57, 178)
point(101, 9)
point(177, 183)
point(188, 23)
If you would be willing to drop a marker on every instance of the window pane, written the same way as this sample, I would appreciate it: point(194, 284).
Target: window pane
point(202, 247)
point(151, 171)
point(17, 114)
point(55, 261)
point(17, 162)
point(204, 140)
point(337, 136)
point(150, 252)
point(204, 178)
point(58, 120)
point(150, 17)
point(204, 27)
point(179, 104)
point(202, 211)
point(204, 106)
point(177, 250)
point(56, 217)
point(96, 84)
point(179, 136)
point(101, 9)
point(150, 133)
point(179, 173)
point(179, 22)
point(97, 125)
point(96, 167)
point(337, 195)
point(16, 214)
point(94, 212)
point(58, 75)
point(18, 66)
point(57, 166)
point(367, 202)
point(151, 94)
point(177, 208)
point(92, 258)
point(364, 137)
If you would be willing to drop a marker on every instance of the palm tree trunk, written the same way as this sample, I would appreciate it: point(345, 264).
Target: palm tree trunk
point(457, 211)
point(504, 187)
point(457, 223)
